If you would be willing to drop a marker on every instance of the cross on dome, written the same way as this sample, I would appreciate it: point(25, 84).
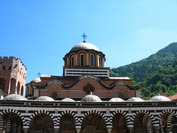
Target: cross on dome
point(84, 36)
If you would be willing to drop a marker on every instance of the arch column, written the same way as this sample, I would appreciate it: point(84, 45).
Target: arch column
point(109, 129)
point(25, 130)
point(56, 130)
point(78, 129)
point(169, 130)
point(1, 124)
point(9, 86)
point(130, 128)
point(156, 128)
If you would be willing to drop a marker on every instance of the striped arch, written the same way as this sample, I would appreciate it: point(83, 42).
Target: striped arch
point(72, 113)
point(3, 112)
point(94, 121)
point(38, 113)
point(119, 112)
point(171, 112)
point(143, 112)
point(67, 121)
point(95, 112)
point(9, 126)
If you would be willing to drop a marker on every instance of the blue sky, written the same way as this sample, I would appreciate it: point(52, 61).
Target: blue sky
point(41, 32)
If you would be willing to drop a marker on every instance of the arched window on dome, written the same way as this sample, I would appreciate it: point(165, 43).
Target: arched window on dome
point(72, 60)
point(82, 62)
point(92, 60)
point(99, 61)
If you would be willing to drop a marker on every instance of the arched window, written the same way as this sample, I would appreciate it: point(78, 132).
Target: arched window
point(2, 84)
point(54, 94)
point(82, 62)
point(72, 60)
point(92, 60)
point(88, 89)
point(12, 86)
point(99, 61)
point(18, 88)
point(121, 95)
point(22, 90)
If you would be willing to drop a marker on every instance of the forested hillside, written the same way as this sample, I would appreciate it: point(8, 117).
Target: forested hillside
point(162, 81)
point(154, 74)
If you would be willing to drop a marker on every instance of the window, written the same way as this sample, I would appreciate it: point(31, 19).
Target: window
point(99, 61)
point(72, 60)
point(2, 84)
point(54, 94)
point(121, 95)
point(81, 59)
point(88, 89)
point(92, 60)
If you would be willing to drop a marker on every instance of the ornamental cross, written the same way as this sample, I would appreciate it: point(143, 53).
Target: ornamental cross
point(84, 36)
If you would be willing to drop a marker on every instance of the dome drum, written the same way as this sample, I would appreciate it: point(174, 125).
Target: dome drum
point(85, 59)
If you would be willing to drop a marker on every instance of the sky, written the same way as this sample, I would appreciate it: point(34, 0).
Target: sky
point(41, 32)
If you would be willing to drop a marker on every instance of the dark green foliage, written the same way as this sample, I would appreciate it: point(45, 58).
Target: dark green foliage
point(155, 74)
point(164, 80)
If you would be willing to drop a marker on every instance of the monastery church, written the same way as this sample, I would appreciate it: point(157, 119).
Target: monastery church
point(85, 99)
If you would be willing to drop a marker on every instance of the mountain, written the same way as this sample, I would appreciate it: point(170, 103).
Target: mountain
point(138, 71)
point(162, 81)
point(155, 74)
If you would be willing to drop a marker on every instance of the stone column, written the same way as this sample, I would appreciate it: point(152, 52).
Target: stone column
point(9, 86)
point(169, 130)
point(109, 130)
point(130, 129)
point(56, 130)
point(156, 129)
point(25, 130)
point(78, 130)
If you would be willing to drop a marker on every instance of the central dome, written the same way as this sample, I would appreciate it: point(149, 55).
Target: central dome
point(84, 46)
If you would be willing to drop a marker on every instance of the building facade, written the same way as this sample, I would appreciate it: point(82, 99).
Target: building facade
point(87, 117)
point(83, 73)
point(84, 100)
point(12, 76)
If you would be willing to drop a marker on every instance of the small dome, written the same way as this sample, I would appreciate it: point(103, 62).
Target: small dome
point(84, 46)
point(135, 99)
point(159, 98)
point(67, 100)
point(36, 80)
point(116, 99)
point(44, 98)
point(15, 97)
point(91, 98)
